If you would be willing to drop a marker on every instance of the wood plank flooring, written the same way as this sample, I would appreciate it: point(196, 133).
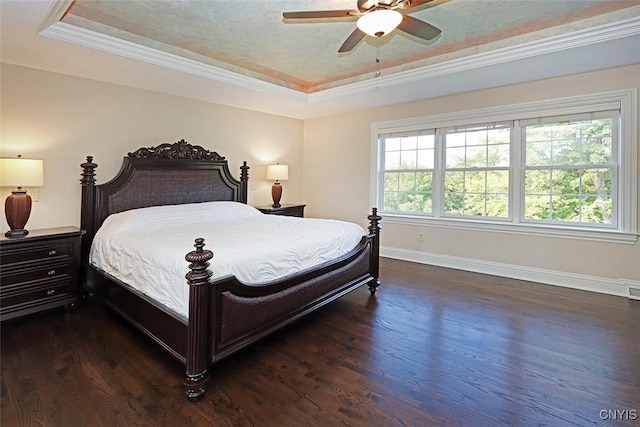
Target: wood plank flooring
point(434, 347)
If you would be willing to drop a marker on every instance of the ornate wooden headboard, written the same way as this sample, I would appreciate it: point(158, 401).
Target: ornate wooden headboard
point(169, 174)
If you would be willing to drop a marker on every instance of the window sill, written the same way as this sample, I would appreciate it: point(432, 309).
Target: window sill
point(608, 236)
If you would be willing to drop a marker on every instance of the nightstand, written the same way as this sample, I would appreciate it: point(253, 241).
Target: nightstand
point(286, 210)
point(39, 271)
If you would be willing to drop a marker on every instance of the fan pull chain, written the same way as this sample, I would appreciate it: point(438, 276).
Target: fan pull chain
point(378, 72)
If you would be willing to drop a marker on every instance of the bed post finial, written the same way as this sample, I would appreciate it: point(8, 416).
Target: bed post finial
point(374, 231)
point(197, 329)
point(198, 263)
point(88, 172)
point(244, 172)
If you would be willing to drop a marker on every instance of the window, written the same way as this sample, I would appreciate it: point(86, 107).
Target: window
point(570, 170)
point(476, 171)
point(408, 175)
point(541, 168)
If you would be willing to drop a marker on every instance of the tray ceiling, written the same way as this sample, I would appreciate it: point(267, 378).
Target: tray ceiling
point(247, 43)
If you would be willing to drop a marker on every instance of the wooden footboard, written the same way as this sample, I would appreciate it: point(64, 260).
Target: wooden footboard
point(229, 315)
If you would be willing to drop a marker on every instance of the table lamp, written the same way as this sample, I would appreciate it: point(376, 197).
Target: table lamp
point(278, 173)
point(19, 172)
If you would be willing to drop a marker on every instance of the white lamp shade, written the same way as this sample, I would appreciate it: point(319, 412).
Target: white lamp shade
point(19, 172)
point(379, 22)
point(278, 172)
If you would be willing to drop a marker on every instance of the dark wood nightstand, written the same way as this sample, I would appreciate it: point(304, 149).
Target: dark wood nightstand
point(39, 271)
point(286, 209)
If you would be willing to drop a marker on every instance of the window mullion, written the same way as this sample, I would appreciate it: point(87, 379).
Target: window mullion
point(618, 198)
point(438, 176)
point(516, 171)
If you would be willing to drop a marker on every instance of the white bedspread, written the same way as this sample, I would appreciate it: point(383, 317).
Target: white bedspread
point(145, 248)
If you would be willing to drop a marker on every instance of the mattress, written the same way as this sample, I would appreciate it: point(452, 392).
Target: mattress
point(145, 248)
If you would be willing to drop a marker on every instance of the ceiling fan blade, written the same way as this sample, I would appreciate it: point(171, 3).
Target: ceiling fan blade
point(319, 14)
point(418, 28)
point(354, 38)
point(413, 3)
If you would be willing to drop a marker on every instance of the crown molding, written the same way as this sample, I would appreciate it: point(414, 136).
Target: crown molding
point(56, 12)
point(625, 28)
point(54, 28)
point(105, 43)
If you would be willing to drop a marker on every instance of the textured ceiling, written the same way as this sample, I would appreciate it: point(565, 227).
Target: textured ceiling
point(251, 38)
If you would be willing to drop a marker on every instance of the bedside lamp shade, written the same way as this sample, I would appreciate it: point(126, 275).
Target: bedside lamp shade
point(19, 173)
point(277, 172)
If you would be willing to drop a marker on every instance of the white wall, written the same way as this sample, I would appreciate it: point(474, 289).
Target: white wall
point(62, 119)
point(337, 171)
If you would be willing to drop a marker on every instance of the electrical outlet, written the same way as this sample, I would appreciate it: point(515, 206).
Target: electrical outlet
point(420, 237)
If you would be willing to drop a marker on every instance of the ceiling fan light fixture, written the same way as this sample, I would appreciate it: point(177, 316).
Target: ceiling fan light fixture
point(379, 22)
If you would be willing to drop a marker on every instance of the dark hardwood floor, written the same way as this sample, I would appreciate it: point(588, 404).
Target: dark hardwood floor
point(434, 347)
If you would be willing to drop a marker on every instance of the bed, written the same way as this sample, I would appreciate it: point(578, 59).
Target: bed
point(223, 310)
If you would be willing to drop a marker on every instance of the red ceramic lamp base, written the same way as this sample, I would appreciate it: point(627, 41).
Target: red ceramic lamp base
point(276, 194)
point(17, 209)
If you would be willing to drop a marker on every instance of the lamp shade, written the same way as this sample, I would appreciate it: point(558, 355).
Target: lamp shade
point(379, 22)
point(278, 172)
point(19, 172)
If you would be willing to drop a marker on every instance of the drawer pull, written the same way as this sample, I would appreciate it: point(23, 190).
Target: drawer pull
point(51, 272)
point(53, 252)
point(51, 292)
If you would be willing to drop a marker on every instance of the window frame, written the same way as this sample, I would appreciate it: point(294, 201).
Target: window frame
point(626, 230)
point(415, 171)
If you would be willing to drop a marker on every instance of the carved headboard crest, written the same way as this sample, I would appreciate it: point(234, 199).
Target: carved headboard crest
point(178, 150)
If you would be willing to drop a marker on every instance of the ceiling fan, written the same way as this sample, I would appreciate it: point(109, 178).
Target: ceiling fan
point(376, 18)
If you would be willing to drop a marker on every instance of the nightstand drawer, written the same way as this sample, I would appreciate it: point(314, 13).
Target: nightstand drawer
point(50, 272)
point(42, 252)
point(17, 298)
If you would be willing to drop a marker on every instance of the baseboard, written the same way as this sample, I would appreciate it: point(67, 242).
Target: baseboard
point(604, 285)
